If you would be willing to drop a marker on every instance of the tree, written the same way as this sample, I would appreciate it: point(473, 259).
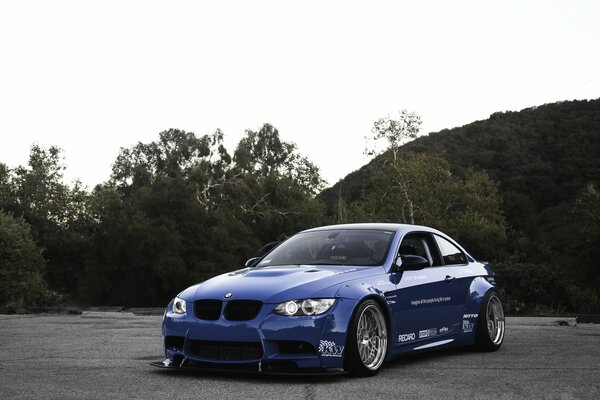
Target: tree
point(587, 216)
point(202, 160)
point(395, 132)
point(420, 189)
point(58, 215)
point(263, 154)
point(21, 266)
point(41, 194)
point(7, 191)
point(180, 210)
point(278, 185)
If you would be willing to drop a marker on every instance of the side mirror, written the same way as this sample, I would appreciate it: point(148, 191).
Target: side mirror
point(411, 263)
point(252, 262)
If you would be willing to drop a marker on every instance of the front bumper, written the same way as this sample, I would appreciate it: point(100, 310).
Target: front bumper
point(267, 343)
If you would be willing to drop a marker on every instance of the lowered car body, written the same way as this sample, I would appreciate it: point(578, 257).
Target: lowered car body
point(337, 298)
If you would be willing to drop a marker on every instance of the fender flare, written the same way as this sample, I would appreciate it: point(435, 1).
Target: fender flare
point(471, 313)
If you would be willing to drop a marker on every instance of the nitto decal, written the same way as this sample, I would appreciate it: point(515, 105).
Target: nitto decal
point(430, 301)
point(407, 337)
point(468, 326)
point(328, 348)
point(469, 316)
point(427, 333)
point(443, 330)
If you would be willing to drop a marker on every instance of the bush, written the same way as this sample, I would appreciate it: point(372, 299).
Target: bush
point(21, 266)
point(542, 289)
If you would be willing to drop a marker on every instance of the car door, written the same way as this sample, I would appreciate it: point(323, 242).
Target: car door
point(457, 266)
point(425, 303)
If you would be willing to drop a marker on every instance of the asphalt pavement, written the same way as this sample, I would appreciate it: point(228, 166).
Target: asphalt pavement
point(106, 356)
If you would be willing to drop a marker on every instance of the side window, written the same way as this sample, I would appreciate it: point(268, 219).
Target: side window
point(420, 245)
point(450, 253)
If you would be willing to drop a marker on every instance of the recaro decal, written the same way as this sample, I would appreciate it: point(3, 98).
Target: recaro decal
point(406, 337)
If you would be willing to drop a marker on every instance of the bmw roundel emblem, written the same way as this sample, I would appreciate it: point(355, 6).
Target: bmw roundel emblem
point(228, 295)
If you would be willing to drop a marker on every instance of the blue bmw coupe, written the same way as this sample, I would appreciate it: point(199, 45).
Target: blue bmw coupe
point(337, 298)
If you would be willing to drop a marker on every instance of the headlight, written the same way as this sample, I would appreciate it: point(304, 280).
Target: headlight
point(304, 307)
point(179, 306)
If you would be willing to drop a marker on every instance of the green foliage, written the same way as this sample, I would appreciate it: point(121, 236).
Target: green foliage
point(180, 210)
point(543, 289)
point(587, 211)
point(586, 215)
point(535, 166)
point(57, 214)
point(519, 188)
point(419, 188)
point(21, 266)
point(541, 157)
point(394, 132)
point(263, 155)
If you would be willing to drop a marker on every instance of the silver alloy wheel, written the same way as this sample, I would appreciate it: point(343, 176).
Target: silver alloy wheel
point(494, 318)
point(371, 337)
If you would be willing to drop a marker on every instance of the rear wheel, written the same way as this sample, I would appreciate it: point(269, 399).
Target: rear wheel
point(490, 325)
point(367, 340)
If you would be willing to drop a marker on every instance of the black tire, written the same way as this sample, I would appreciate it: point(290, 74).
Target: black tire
point(356, 353)
point(489, 333)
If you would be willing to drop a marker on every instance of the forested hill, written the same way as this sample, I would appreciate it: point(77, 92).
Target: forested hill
point(542, 158)
point(519, 189)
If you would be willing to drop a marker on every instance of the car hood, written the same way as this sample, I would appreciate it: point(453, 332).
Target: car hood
point(278, 283)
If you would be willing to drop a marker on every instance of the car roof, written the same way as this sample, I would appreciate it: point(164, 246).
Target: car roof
point(377, 226)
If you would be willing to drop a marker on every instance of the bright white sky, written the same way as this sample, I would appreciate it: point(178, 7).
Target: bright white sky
point(94, 76)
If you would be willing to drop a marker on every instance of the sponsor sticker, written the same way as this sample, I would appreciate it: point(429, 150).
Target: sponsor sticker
point(469, 316)
point(328, 348)
point(443, 330)
point(432, 300)
point(345, 271)
point(415, 278)
point(465, 270)
point(428, 333)
point(467, 325)
point(406, 337)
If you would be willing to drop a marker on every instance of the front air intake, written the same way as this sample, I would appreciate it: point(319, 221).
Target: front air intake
point(242, 310)
point(226, 351)
point(208, 309)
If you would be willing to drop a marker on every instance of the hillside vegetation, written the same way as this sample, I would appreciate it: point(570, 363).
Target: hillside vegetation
point(546, 163)
point(518, 189)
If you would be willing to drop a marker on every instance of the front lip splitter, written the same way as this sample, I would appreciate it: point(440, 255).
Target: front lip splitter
point(250, 368)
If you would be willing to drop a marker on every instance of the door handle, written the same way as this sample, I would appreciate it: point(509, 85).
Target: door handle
point(449, 279)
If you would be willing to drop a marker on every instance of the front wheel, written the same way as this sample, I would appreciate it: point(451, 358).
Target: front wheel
point(490, 325)
point(367, 340)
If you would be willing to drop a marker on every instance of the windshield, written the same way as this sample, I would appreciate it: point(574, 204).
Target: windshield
point(332, 247)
